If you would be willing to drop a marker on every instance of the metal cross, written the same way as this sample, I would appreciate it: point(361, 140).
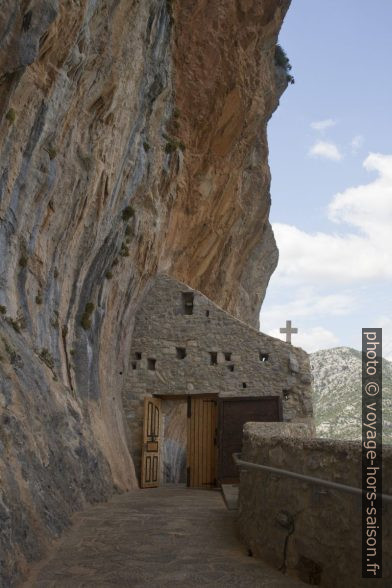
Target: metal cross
point(288, 330)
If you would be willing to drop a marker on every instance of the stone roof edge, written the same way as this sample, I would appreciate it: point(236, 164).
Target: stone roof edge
point(234, 318)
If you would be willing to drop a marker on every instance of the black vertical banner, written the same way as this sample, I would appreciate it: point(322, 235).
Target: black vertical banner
point(372, 453)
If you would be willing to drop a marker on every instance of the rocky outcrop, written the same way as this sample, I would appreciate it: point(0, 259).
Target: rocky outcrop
point(337, 375)
point(132, 141)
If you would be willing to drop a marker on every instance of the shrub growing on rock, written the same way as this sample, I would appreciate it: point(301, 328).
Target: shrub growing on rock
point(281, 60)
point(172, 144)
point(17, 323)
point(11, 115)
point(127, 213)
point(124, 251)
point(47, 357)
point(86, 316)
point(51, 151)
point(23, 261)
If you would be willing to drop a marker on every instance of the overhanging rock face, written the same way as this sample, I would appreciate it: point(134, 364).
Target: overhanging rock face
point(132, 141)
point(184, 344)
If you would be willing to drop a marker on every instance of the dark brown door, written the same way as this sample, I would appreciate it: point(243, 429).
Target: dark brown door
point(233, 414)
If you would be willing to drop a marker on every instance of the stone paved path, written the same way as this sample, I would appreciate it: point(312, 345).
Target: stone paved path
point(157, 538)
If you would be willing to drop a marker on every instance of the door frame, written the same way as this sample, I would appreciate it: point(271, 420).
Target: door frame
point(220, 422)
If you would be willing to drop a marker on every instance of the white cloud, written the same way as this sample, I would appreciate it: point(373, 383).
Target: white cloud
point(360, 254)
point(356, 143)
point(313, 339)
point(307, 258)
point(323, 125)
point(368, 207)
point(325, 150)
point(318, 271)
point(306, 303)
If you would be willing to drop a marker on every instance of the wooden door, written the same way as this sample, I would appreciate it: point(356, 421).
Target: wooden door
point(233, 414)
point(151, 443)
point(201, 451)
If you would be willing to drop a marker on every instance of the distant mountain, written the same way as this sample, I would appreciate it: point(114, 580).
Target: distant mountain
point(337, 394)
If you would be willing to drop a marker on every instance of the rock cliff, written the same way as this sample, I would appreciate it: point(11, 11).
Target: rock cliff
point(337, 397)
point(132, 141)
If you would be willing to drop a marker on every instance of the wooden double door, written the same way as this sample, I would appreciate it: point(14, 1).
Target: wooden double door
point(201, 443)
point(214, 433)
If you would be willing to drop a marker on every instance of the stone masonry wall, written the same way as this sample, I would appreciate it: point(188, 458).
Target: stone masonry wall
point(248, 363)
point(324, 548)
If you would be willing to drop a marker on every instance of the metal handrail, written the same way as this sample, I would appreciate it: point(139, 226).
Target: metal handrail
point(317, 481)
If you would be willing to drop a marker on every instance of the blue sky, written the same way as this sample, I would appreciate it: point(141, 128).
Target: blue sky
point(331, 162)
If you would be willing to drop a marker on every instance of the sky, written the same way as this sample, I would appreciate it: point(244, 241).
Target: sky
point(330, 145)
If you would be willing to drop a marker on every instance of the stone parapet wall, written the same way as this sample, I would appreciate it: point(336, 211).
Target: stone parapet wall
point(324, 542)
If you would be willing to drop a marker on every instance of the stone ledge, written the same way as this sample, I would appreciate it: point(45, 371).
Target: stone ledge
point(280, 429)
point(268, 502)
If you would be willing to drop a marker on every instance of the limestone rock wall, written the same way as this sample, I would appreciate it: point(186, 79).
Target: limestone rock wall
point(322, 526)
point(132, 140)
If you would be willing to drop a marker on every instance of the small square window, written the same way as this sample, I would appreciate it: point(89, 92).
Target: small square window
point(187, 302)
point(264, 356)
point(227, 356)
point(138, 355)
point(181, 352)
point(134, 365)
point(213, 358)
point(151, 363)
point(230, 368)
point(244, 384)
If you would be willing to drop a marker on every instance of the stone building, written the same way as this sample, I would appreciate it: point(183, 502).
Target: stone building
point(199, 360)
